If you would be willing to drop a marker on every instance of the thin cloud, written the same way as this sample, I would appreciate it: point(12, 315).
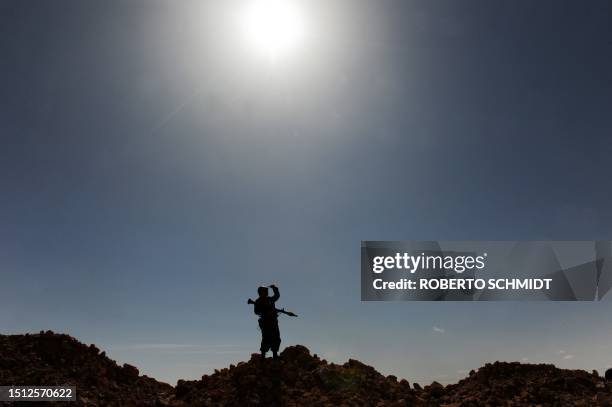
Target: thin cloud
point(567, 357)
point(439, 330)
point(179, 348)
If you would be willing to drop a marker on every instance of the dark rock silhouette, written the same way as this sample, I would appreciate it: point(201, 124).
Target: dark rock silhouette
point(297, 379)
point(54, 360)
point(300, 379)
point(516, 384)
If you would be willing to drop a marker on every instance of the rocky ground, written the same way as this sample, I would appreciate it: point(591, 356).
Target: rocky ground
point(54, 360)
point(298, 379)
point(516, 384)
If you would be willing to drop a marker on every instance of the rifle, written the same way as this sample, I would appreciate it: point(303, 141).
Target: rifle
point(279, 311)
point(282, 311)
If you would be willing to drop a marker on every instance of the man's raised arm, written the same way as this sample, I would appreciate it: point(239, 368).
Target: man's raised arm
point(276, 295)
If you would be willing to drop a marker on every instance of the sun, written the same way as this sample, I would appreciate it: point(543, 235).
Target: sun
point(273, 28)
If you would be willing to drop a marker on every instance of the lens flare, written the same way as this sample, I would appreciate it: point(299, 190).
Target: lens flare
point(274, 28)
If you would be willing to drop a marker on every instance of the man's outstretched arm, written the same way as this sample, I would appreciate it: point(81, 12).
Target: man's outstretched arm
point(276, 295)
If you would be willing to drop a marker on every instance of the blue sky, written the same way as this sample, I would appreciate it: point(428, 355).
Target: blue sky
point(154, 171)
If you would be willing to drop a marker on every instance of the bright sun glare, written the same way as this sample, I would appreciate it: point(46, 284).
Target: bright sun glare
point(273, 27)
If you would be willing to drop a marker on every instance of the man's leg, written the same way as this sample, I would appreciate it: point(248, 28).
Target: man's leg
point(275, 340)
point(264, 346)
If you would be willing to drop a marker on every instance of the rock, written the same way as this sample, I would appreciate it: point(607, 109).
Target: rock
point(53, 359)
point(435, 390)
point(298, 379)
point(500, 383)
point(130, 371)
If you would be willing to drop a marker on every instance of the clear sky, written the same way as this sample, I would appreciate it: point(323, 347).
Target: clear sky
point(155, 169)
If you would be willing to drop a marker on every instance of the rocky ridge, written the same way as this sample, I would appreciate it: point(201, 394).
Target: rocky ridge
point(299, 378)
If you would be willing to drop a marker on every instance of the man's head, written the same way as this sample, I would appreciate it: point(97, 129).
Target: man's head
point(262, 291)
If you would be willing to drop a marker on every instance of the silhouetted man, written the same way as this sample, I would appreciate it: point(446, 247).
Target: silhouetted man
point(268, 320)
